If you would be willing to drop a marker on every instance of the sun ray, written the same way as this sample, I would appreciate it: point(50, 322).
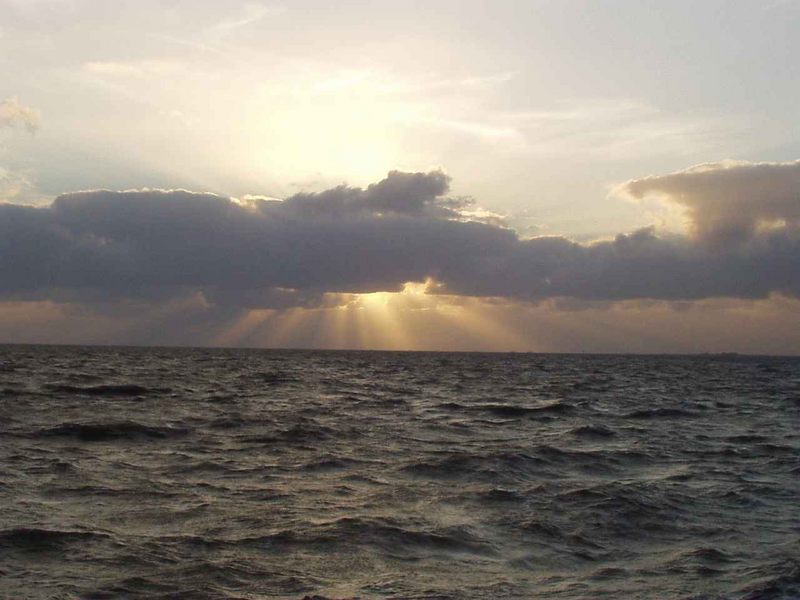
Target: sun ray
point(411, 319)
point(242, 328)
point(486, 331)
point(279, 334)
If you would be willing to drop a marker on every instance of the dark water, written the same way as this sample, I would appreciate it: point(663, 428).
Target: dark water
point(134, 473)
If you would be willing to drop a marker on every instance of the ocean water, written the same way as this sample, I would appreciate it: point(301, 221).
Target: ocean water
point(197, 473)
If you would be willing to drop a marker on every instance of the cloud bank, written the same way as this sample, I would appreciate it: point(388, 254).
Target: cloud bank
point(98, 246)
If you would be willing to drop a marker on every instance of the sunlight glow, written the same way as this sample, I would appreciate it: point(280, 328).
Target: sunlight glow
point(344, 123)
point(415, 318)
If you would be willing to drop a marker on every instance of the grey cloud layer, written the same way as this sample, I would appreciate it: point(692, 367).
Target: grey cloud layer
point(98, 245)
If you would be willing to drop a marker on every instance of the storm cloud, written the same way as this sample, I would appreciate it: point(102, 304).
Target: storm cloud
point(260, 253)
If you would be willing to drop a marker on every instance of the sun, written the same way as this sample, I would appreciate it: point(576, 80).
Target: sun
point(345, 125)
point(373, 300)
point(413, 293)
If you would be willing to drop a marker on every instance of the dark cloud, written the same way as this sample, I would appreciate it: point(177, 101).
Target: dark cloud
point(413, 194)
point(100, 246)
point(729, 202)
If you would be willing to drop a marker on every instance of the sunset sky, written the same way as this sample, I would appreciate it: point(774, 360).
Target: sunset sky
point(605, 176)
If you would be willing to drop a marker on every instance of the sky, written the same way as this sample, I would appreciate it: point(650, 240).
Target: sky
point(577, 176)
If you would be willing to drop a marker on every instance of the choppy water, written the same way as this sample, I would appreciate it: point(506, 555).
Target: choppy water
point(142, 473)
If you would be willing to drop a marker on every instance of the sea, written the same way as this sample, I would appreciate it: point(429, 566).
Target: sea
point(252, 474)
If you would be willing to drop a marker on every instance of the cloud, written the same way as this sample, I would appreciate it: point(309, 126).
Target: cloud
point(17, 186)
point(15, 183)
point(729, 202)
point(12, 113)
point(251, 13)
point(608, 129)
point(413, 194)
point(103, 246)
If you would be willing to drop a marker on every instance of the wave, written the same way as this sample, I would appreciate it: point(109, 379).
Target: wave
point(748, 438)
point(36, 538)
point(541, 528)
point(502, 495)
point(109, 390)
point(334, 464)
point(500, 409)
point(660, 413)
point(271, 378)
point(491, 466)
point(393, 537)
point(593, 432)
point(306, 432)
point(506, 410)
point(781, 582)
point(102, 432)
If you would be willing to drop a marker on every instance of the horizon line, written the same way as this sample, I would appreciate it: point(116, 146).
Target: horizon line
point(700, 354)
